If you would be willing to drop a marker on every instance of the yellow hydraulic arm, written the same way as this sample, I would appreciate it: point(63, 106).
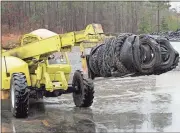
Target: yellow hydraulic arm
point(34, 46)
point(35, 51)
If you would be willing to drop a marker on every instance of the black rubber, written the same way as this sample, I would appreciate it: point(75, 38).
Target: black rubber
point(84, 95)
point(126, 55)
point(21, 95)
point(148, 66)
point(91, 75)
point(165, 44)
point(170, 35)
point(129, 53)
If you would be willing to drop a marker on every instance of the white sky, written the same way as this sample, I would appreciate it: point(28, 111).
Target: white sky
point(175, 5)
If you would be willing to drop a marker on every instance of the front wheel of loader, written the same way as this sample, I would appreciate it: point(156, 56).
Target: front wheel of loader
point(19, 95)
point(84, 94)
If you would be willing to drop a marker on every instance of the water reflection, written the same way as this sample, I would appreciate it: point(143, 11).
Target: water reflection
point(131, 120)
point(160, 121)
point(121, 122)
point(157, 110)
point(76, 121)
point(36, 109)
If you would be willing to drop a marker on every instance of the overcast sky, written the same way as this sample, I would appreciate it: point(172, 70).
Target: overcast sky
point(175, 5)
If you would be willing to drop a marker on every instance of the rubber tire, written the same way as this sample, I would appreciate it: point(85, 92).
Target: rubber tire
point(21, 95)
point(93, 62)
point(84, 96)
point(167, 64)
point(126, 54)
point(176, 60)
point(146, 68)
point(156, 50)
point(91, 74)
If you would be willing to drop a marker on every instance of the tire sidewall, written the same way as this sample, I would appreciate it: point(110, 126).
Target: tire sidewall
point(20, 109)
point(167, 64)
point(12, 87)
point(77, 79)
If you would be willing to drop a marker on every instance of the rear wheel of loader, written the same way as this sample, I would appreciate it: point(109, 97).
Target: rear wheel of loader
point(84, 94)
point(19, 95)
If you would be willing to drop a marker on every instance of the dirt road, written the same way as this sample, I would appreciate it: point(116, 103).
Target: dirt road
point(131, 104)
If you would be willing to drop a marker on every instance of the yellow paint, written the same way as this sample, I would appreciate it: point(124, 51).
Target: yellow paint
point(84, 65)
point(45, 122)
point(31, 58)
point(14, 65)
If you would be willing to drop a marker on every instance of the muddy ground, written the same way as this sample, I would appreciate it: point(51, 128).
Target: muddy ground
point(131, 104)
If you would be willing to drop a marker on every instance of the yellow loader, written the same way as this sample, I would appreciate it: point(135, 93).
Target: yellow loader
point(32, 71)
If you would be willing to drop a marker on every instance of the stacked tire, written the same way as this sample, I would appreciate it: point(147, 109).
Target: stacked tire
point(129, 53)
point(171, 35)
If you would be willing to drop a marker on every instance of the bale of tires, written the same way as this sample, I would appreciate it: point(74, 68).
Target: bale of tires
point(128, 53)
point(171, 35)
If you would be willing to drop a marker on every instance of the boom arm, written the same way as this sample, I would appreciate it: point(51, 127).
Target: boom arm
point(37, 47)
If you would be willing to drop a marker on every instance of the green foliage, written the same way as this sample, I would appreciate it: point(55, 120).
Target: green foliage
point(164, 25)
point(144, 26)
point(173, 23)
point(116, 16)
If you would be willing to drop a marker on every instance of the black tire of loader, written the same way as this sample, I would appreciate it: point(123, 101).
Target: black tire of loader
point(84, 96)
point(21, 95)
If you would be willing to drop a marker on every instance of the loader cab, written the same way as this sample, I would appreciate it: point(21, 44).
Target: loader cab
point(58, 62)
point(57, 58)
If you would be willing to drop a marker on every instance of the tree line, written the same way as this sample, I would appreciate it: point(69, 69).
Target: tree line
point(61, 17)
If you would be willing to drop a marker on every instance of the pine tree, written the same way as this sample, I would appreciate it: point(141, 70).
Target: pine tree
point(164, 25)
point(144, 26)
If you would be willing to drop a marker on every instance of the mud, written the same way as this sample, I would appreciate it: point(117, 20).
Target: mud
point(130, 104)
